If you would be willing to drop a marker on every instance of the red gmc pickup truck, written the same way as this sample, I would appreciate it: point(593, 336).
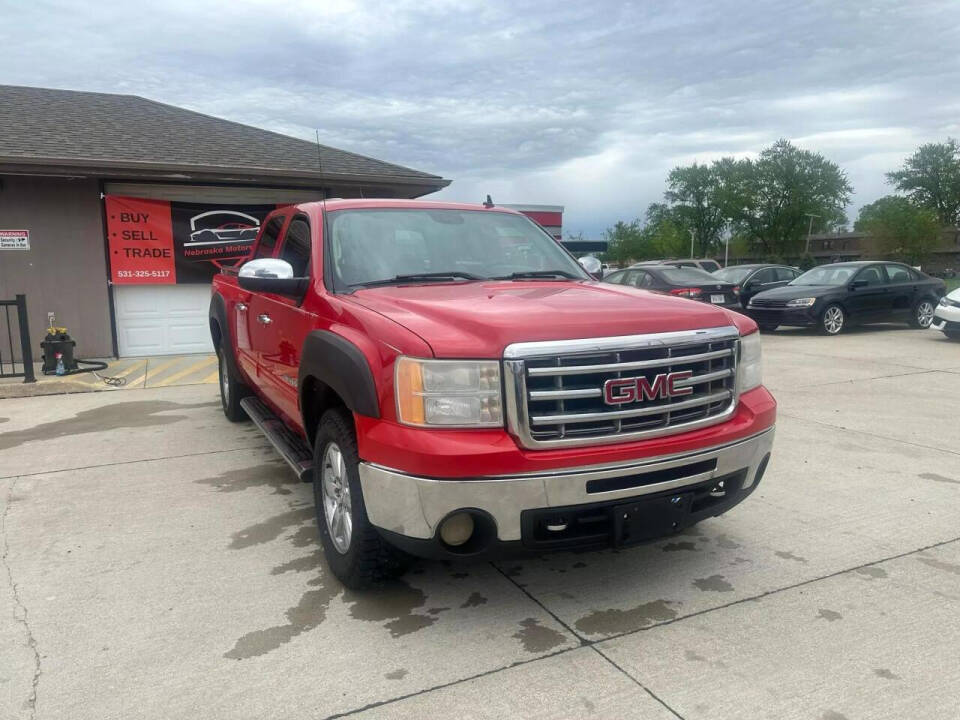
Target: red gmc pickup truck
point(459, 386)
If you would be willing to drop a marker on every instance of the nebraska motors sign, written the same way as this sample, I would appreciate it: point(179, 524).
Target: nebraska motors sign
point(163, 242)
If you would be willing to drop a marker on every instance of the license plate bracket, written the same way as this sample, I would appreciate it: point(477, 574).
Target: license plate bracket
point(646, 519)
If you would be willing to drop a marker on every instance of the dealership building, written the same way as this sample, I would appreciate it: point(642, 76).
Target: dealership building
point(115, 209)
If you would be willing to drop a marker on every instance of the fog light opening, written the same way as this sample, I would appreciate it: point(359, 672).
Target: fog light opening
point(457, 529)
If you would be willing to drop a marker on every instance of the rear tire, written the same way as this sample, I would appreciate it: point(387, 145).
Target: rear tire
point(833, 320)
point(922, 314)
point(355, 552)
point(232, 390)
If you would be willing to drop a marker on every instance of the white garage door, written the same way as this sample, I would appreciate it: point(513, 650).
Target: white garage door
point(162, 319)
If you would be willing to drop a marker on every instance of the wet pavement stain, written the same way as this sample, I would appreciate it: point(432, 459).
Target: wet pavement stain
point(833, 715)
point(677, 546)
point(886, 674)
point(300, 564)
point(873, 573)
point(270, 529)
point(789, 556)
point(714, 583)
point(613, 621)
point(394, 602)
point(726, 543)
point(938, 478)
point(513, 571)
point(3, 420)
point(274, 475)
point(396, 674)
point(437, 610)
point(475, 600)
point(579, 565)
point(305, 615)
point(536, 638)
point(949, 567)
point(693, 657)
point(306, 536)
point(116, 416)
point(460, 575)
point(829, 615)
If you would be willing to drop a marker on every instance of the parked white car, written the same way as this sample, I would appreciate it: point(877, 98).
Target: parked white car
point(946, 316)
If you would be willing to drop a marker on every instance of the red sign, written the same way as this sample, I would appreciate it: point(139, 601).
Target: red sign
point(140, 238)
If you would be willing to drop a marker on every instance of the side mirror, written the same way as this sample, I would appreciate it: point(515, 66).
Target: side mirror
point(271, 275)
point(591, 265)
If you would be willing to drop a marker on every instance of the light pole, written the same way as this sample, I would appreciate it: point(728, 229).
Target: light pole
point(692, 236)
point(809, 230)
point(726, 251)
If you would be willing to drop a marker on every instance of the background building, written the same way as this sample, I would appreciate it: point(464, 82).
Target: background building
point(110, 205)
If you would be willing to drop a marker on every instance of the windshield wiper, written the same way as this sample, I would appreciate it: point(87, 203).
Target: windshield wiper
point(535, 274)
point(419, 277)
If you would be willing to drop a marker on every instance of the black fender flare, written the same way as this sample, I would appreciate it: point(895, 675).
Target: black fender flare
point(218, 315)
point(342, 366)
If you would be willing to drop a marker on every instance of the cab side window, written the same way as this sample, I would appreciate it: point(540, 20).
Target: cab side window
point(296, 246)
point(786, 274)
point(645, 280)
point(268, 237)
point(898, 274)
point(616, 278)
point(767, 275)
point(871, 275)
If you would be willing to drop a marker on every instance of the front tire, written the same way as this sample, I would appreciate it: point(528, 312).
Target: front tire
point(833, 319)
point(922, 314)
point(355, 552)
point(232, 390)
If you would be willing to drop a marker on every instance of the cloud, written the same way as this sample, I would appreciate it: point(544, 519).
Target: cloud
point(587, 105)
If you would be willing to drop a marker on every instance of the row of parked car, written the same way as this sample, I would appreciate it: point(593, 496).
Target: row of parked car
point(829, 297)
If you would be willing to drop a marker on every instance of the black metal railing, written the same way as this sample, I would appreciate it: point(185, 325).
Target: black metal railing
point(8, 364)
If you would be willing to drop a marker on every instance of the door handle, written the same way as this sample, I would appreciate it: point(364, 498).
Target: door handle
point(241, 307)
point(264, 319)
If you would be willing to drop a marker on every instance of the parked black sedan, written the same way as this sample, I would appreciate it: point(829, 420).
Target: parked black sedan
point(833, 297)
point(752, 279)
point(690, 283)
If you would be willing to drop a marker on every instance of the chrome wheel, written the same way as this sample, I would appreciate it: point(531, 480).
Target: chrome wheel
point(833, 320)
point(336, 498)
point(224, 379)
point(925, 314)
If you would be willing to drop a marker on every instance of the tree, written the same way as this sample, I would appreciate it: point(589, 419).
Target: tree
point(931, 179)
point(768, 199)
point(692, 192)
point(903, 230)
point(624, 242)
point(664, 234)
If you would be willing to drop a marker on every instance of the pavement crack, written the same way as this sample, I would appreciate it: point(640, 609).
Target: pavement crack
point(868, 434)
point(582, 640)
point(20, 613)
point(635, 681)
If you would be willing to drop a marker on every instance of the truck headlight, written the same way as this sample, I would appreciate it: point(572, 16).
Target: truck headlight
point(801, 302)
point(451, 393)
point(750, 367)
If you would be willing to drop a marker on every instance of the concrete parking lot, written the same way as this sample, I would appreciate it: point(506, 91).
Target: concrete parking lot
point(160, 562)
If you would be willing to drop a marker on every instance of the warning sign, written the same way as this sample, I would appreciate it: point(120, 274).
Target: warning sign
point(14, 239)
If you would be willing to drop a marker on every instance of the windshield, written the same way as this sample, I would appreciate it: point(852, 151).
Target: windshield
point(380, 245)
point(733, 274)
point(687, 276)
point(826, 275)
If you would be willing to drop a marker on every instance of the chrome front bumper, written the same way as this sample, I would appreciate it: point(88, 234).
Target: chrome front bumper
point(414, 506)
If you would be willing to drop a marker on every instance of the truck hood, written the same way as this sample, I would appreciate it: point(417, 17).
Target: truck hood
point(479, 319)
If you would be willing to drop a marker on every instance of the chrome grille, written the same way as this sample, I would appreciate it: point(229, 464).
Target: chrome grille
point(555, 391)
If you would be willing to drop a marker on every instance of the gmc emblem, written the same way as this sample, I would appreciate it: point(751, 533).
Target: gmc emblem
point(620, 391)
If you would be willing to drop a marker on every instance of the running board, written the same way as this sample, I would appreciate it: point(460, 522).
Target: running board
point(291, 446)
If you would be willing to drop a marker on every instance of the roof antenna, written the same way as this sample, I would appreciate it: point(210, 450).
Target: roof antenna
point(488, 203)
point(320, 165)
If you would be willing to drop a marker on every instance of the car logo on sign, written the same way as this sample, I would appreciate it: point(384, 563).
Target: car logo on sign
point(620, 391)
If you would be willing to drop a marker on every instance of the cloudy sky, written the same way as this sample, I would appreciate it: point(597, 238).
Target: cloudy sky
point(582, 104)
